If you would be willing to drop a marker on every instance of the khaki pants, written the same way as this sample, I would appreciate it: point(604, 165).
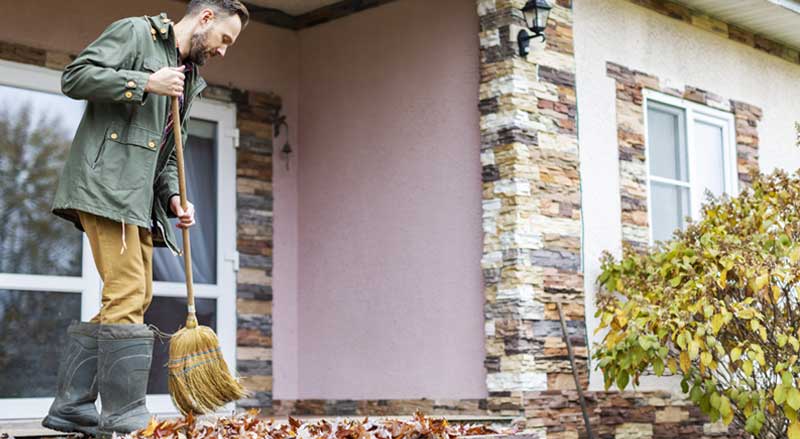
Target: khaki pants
point(127, 277)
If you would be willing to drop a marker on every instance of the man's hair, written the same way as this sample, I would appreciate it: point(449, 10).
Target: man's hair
point(227, 7)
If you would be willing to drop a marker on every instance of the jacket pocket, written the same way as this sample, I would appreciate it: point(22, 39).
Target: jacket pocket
point(128, 157)
point(94, 154)
point(152, 64)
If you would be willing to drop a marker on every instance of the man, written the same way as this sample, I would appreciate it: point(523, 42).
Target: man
point(120, 187)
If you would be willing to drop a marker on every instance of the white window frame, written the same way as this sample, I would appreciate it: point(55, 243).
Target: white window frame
point(693, 112)
point(89, 284)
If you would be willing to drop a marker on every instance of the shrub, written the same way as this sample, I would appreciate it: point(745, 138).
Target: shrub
point(717, 305)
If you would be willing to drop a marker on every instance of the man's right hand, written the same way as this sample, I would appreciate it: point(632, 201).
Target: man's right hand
point(166, 82)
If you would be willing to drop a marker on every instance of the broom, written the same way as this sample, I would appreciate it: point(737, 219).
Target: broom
point(199, 380)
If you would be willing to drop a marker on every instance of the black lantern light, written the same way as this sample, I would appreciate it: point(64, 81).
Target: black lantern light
point(535, 12)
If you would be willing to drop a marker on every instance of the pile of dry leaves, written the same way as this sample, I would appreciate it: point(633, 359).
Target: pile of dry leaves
point(247, 425)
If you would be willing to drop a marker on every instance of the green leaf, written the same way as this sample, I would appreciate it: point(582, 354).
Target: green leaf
point(658, 367)
point(793, 398)
point(706, 358)
point(725, 410)
point(694, 349)
point(696, 394)
point(622, 380)
point(716, 323)
point(747, 367)
point(715, 400)
point(779, 394)
point(752, 425)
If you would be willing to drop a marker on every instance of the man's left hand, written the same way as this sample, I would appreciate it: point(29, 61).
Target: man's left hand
point(186, 218)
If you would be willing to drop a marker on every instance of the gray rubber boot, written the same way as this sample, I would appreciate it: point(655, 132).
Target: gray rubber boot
point(73, 409)
point(125, 352)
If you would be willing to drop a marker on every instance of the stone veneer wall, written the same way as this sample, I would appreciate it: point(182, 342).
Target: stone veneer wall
point(631, 135)
point(254, 220)
point(531, 205)
point(622, 415)
point(254, 238)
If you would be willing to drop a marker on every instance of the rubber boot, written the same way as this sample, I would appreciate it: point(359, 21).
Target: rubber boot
point(125, 352)
point(73, 409)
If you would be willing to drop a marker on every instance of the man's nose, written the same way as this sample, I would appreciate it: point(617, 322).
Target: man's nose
point(221, 51)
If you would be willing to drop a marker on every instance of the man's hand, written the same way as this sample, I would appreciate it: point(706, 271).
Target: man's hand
point(186, 217)
point(168, 81)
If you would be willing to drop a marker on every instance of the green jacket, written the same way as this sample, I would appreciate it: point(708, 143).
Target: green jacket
point(116, 167)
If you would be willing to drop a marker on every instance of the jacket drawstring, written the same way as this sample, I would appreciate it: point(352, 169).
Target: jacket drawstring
point(124, 244)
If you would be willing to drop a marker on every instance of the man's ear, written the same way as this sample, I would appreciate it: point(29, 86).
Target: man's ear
point(207, 15)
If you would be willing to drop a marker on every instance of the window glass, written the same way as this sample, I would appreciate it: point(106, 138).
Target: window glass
point(670, 205)
point(33, 331)
point(667, 154)
point(36, 130)
point(709, 157)
point(201, 181)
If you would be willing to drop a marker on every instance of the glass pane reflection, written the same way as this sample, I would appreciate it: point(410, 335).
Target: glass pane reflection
point(33, 330)
point(201, 188)
point(36, 130)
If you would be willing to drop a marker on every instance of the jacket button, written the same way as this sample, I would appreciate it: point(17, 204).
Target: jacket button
point(163, 30)
point(128, 94)
point(114, 136)
point(131, 84)
point(151, 144)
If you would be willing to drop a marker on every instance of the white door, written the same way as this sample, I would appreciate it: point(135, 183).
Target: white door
point(211, 187)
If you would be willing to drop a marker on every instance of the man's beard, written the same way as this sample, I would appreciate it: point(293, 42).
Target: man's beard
point(199, 51)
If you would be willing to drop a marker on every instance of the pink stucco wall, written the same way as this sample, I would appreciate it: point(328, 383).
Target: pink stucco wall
point(390, 301)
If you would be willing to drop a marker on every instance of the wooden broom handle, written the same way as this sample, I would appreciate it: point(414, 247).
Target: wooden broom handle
point(191, 319)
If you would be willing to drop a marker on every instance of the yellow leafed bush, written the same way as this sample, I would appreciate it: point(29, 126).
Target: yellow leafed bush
point(717, 305)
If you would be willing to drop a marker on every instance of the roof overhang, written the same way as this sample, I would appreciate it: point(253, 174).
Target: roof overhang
point(300, 14)
point(778, 20)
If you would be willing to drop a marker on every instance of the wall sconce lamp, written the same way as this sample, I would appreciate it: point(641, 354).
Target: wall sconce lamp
point(278, 121)
point(535, 12)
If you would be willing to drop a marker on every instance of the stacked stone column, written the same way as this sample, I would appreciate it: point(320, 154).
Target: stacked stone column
point(531, 205)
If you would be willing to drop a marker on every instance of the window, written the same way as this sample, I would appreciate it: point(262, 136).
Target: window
point(47, 275)
point(690, 150)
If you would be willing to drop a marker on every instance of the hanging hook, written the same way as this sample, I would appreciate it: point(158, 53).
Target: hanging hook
point(278, 122)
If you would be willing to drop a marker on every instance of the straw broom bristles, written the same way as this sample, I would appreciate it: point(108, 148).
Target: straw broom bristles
point(199, 380)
